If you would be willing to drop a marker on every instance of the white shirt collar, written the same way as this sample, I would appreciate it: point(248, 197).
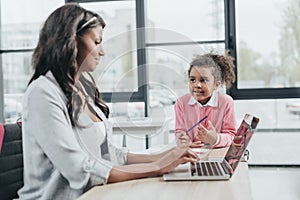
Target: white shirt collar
point(212, 102)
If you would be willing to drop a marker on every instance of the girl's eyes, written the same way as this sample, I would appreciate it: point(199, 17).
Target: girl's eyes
point(192, 80)
point(203, 80)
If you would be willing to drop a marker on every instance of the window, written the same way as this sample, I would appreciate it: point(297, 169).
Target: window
point(264, 87)
point(117, 71)
point(149, 45)
point(268, 72)
point(19, 30)
point(271, 60)
point(266, 50)
point(174, 36)
point(121, 74)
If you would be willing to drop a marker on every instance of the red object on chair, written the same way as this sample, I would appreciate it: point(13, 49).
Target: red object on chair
point(1, 135)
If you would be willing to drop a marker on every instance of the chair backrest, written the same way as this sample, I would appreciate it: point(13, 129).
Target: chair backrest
point(11, 162)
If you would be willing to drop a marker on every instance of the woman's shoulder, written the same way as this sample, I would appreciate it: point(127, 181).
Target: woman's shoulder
point(44, 86)
point(40, 85)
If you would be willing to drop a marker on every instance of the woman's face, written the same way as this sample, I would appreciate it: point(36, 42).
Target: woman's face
point(90, 49)
point(201, 83)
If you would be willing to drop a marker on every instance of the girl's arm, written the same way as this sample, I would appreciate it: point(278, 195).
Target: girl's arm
point(179, 117)
point(229, 127)
point(181, 138)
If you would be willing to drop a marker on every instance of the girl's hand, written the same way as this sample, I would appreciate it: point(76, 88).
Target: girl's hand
point(207, 136)
point(182, 139)
point(196, 144)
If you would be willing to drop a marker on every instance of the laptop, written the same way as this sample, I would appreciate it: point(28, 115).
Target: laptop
point(221, 169)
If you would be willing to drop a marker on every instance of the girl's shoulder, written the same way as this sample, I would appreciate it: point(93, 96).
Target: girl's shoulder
point(184, 98)
point(223, 97)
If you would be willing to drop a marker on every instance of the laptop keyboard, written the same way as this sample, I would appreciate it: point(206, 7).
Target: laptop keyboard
point(207, 169)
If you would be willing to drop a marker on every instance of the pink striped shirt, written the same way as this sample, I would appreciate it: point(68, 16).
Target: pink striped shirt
point(219, 109)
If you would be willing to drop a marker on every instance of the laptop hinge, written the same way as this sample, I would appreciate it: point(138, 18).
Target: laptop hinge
point(227, 168)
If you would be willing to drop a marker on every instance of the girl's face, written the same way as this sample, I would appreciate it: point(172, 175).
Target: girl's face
point(202, 83)
point(89, 49)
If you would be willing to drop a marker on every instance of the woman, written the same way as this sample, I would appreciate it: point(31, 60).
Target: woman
point(66, 134)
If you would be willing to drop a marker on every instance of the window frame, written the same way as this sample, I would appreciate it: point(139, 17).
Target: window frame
point(6, 51)
point(252, 93)
point(141, 94)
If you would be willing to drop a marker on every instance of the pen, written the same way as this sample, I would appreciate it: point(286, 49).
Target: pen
point(201, 120)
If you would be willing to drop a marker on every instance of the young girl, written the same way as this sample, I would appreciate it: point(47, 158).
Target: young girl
point(207, 75)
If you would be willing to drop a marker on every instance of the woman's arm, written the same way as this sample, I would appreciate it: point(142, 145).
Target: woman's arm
point(133, 158)
point(129, 172)
point(165, 162)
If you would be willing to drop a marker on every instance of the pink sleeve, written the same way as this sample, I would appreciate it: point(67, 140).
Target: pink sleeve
point(228, 128)
point(1, 135)
point(179, 124)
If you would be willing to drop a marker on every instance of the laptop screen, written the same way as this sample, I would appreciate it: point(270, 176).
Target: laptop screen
point(240, 141)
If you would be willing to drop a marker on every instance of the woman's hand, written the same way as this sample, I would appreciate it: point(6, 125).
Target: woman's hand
point(182, 139)
point(163, 163)
point(207, 136)
point(177, 156)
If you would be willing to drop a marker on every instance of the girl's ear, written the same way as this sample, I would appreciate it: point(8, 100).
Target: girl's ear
point(217, 84)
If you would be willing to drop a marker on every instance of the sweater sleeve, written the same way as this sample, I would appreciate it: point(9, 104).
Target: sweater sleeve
point(179, 116)
point(228, 127)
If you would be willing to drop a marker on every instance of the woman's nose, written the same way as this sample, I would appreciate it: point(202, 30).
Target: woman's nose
point(101, 51)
